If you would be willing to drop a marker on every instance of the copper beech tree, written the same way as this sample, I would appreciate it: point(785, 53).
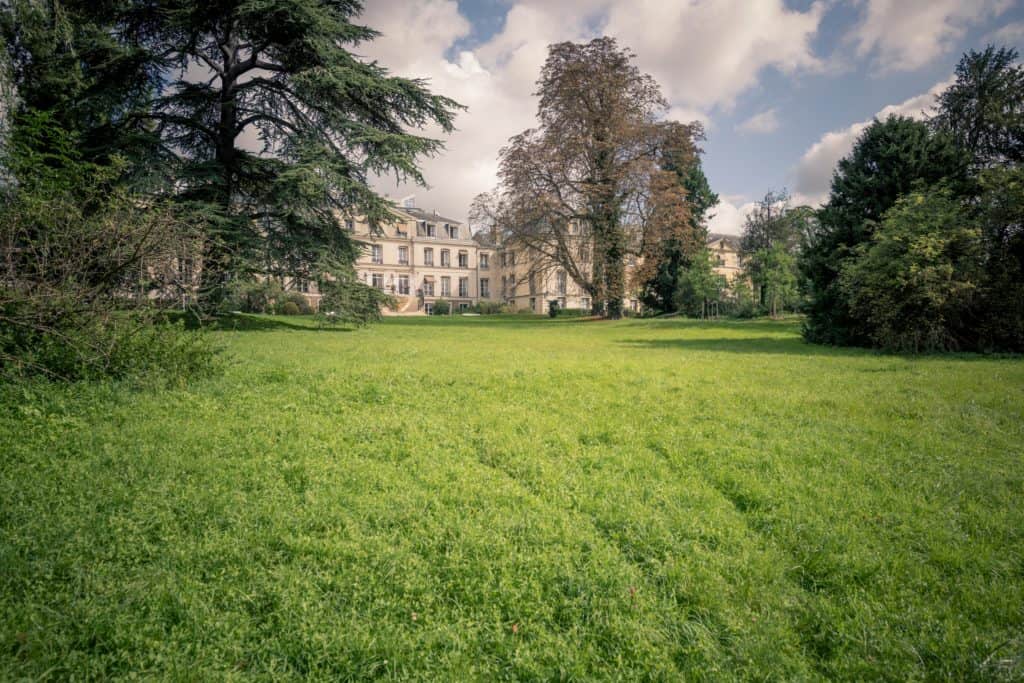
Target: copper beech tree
point(587, 190)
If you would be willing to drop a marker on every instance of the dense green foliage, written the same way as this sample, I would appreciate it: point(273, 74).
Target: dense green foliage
point(890, 159)
point(698, 286)
point(73, 241)
point(913, 284)
point(693, 501)
point(921, 244)
point(984, 108)
point(772, 236)
point(126, 140)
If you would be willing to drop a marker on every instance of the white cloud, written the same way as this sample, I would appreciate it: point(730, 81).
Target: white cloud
point(704, 53)
point(1011, 34)
point(814, 170)
point(904, 35)
point(729, 215)
point(765, 122)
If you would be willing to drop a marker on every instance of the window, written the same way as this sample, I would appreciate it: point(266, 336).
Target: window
point(377, 253)
point(378, 280)
point(424, 229)
point(446, 258)
point(533, 304)
point(428, 288)
point(585, 304)
point(485, 288)
point(463, 306)
point(511, 258)
point(451, 231)
point(350, 225)
point(403, 256)
point(403, 284)
point(533, 284)
point(300, 284)
point(463, 259)
point(428, 256)
point(463, 286)
point(562, 282)
point(484, 261)
point(504, 259)
point(428, 309)
point(446, 286)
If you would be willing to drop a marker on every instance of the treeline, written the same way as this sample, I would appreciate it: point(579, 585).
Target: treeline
point(173, 154)
point(920, 245)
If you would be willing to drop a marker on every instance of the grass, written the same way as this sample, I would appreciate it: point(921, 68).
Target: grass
point(509, 498)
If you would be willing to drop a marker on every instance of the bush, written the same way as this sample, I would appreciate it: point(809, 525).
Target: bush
point(553, 308)
point(442, 307)
point(292, 303)
point(344, 299)
point(573, 312)
point(119, 347)
point(73, 243)
point(490, 308)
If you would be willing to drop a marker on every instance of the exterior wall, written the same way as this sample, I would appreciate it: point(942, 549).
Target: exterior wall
point(422, 268)
point(725, 257)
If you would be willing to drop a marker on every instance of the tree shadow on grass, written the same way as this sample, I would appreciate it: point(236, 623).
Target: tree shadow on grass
point(751, 345)
point(245, 322)
point(792, 346)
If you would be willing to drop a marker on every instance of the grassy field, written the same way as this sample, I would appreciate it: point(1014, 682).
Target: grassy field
point(522, 499)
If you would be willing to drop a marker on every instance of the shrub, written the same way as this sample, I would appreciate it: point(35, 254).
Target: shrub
point(553, 308)
point(442, 307)
point(288, 308)
point(344, 299)
point(73, 242)
point(573, 312)
point(490, 308)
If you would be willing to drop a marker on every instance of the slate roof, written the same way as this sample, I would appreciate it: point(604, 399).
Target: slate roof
point(429, 216)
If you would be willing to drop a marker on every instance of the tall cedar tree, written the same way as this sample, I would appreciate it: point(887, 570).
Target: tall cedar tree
point(579, 189)
point(282, 72)
point(889, 159)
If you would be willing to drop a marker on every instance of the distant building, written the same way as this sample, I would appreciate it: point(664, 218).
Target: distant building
point(725, 255)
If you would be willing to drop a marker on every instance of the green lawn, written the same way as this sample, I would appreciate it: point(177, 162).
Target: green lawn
point(505, 498)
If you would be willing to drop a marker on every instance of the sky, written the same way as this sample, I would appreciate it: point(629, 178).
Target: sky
point(783, 87)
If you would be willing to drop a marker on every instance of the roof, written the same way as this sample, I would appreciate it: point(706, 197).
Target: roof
point(731, 240)
point(431, 216)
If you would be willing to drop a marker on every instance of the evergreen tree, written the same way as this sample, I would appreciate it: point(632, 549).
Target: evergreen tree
point(282, 71)
point(889, 159)
point(984, 108)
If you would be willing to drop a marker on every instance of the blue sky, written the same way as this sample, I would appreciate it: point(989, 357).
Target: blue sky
point(783, 86)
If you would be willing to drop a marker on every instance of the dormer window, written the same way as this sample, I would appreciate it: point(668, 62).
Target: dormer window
point(451, 231)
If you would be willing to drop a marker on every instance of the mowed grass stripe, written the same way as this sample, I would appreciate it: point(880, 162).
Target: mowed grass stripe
point(521, 499)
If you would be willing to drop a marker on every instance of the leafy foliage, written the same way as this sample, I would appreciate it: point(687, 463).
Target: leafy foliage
point(73, 242)
point(890, 159)
point(344, 298)
point(984, 108)
point(699, 285)
point(588, 187)
point(914, 283)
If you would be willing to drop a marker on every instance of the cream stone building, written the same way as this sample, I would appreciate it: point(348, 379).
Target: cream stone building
point(725, 255)
point(423, 257)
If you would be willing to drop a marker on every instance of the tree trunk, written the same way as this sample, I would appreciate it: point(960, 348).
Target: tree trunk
point(217, 261)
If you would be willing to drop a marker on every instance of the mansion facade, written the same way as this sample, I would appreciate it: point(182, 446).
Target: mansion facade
point(421, 258)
